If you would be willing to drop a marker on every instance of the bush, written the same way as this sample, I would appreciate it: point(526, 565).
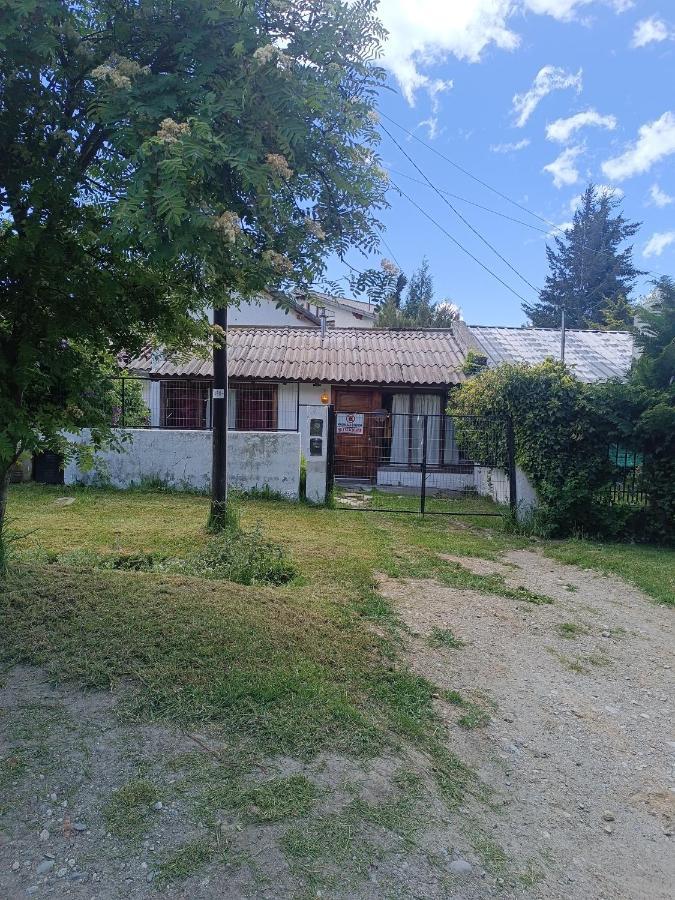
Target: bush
point(558, 442)
point(564, 430)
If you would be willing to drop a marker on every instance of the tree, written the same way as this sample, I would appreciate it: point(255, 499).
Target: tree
point(589, 272)
point(158, 158)
point(641, 411)
point(384, 288)
point(419, 303)
point(655, 336)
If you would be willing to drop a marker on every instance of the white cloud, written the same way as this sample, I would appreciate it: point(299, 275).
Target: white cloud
point(563, 169)
point(431, 124)
point(658, 242)
point(564, 10)
point(655, 141)
point(649, 31)
point(424, 32)
point(510, 148)
point(548, 79)
point(601, 189)
point(562, 129)
point(658, 197)
point(564, 226)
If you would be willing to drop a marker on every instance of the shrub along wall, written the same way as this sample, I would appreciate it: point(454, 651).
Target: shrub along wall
point(564, 429)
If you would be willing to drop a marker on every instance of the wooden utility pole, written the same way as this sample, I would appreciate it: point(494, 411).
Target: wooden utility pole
point(218, 516)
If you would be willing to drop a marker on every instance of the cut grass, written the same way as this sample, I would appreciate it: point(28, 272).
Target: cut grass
point(288, 669)
point(326, 847)
point(571, 630)
point(474, 716)
point(443, 637)
point(185, 861)
point(652, 569)
point(129, 811)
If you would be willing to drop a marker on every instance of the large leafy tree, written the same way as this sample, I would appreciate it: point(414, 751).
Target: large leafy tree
point(591, 270)
point(159, 157)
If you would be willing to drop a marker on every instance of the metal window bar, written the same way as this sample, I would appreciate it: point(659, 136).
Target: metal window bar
point(186, 403)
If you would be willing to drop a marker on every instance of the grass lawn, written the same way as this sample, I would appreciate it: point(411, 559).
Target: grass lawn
point(286, 670)
point(652, 569)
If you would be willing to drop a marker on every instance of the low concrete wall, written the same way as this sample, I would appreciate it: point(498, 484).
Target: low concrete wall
point(495, 483)
point(182, 459)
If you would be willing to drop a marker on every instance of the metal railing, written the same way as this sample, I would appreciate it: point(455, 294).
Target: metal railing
point(627, 486)
point(187, 403)
point(409, 462)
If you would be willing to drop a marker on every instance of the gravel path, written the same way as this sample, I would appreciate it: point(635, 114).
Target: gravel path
point(580, 749)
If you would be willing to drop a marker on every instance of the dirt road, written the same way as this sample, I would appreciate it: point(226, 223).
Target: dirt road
point(579, 749)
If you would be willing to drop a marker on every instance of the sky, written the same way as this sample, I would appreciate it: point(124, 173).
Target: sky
point(535, 98)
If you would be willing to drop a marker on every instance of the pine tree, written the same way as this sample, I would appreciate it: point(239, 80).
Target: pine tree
point(589, 272)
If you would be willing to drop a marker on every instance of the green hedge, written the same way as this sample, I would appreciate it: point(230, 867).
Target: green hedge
point(564, 430)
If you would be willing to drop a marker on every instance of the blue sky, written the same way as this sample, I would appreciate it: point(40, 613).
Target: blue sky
point(507, 88)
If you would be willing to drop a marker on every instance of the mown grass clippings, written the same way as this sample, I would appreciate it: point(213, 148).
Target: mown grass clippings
point(129, 811)
point(443, 637)
point(474, 716)
point(187, 860)
point(493, 856)
point(570, 630)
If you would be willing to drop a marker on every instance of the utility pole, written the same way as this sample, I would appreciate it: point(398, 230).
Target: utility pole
point(218, 515)
point(562, 335)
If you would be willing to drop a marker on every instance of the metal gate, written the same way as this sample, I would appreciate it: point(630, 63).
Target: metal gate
point(425, 464)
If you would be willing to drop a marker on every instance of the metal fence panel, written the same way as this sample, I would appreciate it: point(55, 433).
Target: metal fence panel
point(431, 464)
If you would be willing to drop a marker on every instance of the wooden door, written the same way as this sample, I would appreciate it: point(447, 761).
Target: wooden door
point(357, 454)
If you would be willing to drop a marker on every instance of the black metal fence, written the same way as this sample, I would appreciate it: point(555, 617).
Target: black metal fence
point(431, 464)
point(627, 486)
point(186, 403)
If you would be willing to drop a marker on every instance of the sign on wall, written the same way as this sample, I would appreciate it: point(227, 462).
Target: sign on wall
point(349, 423)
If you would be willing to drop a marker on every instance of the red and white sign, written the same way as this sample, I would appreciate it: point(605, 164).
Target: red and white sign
point(349, 423)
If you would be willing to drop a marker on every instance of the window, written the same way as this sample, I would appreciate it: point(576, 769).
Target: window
point(185, 404)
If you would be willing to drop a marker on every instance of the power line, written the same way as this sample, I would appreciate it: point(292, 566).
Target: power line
point(459, 214)
point(494, 190)
point(470, 174)
point(457, 243)
point(391, 253)
point(473, 203)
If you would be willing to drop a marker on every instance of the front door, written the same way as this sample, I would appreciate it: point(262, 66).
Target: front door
point(358, 432)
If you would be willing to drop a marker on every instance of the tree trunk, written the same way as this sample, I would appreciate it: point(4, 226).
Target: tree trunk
point(218, 517)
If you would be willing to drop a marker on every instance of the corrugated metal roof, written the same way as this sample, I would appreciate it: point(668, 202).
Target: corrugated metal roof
point(591, 355)
point(343, 355)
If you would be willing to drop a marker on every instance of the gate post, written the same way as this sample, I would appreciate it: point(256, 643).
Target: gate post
point(511, 461)
point(330, 452)
point(423, 486)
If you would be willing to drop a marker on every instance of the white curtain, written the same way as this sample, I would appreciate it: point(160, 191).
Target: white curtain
point(450, 451)
point(399, 429)
point(426, 405)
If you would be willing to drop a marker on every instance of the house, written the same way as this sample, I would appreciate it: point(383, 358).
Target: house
point(370, 403)
point(386, 380)
point(302, 310)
